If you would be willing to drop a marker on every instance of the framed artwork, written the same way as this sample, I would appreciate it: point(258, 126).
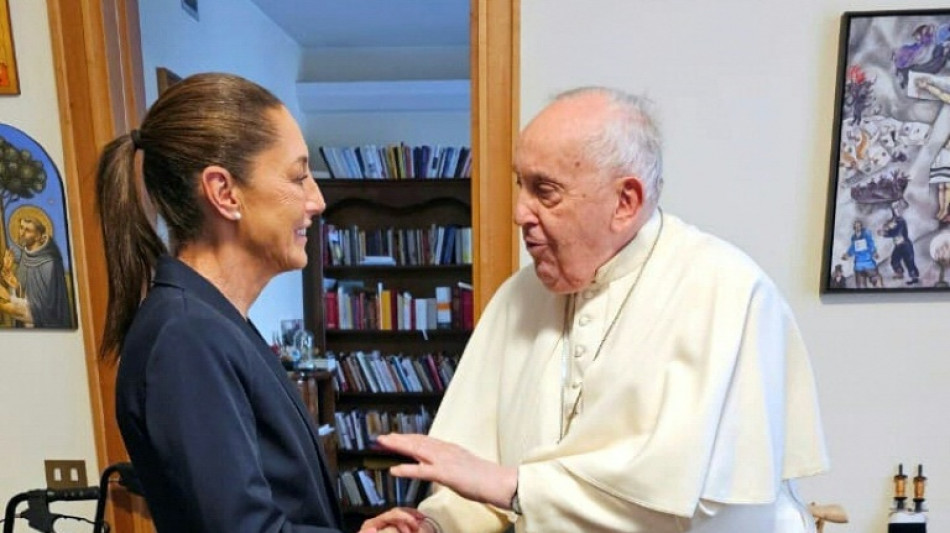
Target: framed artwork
point(888, 214)
point(9, 80)
point(190, 7)
point(289, 327)
point(165, 78)
point(36, 281)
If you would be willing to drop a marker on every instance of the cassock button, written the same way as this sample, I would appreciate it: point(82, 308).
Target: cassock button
point(588, 294)
point(579, 351)
point(584, 320)
point(577, 384)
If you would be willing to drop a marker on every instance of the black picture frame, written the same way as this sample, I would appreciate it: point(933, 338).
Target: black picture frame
point(190, 7)
point(888, 210)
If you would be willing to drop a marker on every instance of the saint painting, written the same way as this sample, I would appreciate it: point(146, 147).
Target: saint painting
point(36, 287)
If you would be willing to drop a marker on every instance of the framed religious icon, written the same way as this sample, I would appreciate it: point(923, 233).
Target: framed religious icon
point(36, 281)
point(888, 213)
point(9, 80)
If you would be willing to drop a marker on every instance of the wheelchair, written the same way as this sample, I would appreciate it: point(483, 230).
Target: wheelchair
point(40, 518)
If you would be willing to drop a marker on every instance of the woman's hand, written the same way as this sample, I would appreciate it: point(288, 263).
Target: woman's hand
point(395, 520)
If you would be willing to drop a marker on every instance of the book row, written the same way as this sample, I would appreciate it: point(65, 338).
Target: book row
point(377, 488)
point(350, 305)
point(397, 161)
point(373, 372)
point(435, 245)
point(357, 429)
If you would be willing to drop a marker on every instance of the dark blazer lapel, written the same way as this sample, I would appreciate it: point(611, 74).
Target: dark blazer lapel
point(171, 271)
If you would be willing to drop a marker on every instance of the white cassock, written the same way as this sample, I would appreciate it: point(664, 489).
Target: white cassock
point(694, 410)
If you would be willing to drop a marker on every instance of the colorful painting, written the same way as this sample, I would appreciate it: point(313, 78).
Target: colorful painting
point(9, 81)
point(36, 281)
point(889, 198)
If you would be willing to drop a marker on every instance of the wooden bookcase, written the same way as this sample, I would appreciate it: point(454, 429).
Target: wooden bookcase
point(379, 204)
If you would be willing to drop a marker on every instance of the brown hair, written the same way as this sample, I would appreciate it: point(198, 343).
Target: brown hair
point(203, 120)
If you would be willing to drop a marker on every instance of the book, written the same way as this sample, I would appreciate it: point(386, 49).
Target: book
point(350, 488)
point(443, 302)
point(462, 162)
point(412, 491)
point(431, 313)
point(415, 384)
point(422, 314)
point(326, 161)
point(467, 305)
point(448, 246)
point(331, 310)
point(435, 161)
point(378, 260)
point(369, 488)
point(423, 375)
point(359, 429)
point(397, 369)
point(385, 310)
point(433, 372)
point(334, 250)
point(342, 431)
point(466, 242)
point(445, 161)
point(367, 372)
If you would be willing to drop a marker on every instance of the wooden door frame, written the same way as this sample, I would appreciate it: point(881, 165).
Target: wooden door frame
point(97, 58)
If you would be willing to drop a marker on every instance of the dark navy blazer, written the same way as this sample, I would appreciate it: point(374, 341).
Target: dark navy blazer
point(216, 431)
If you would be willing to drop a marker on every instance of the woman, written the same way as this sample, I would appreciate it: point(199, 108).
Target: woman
point(216, 432)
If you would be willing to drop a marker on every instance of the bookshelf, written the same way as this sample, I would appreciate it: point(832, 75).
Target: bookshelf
point(392, 372)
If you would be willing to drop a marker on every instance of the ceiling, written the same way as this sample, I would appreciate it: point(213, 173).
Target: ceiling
point(371, 23)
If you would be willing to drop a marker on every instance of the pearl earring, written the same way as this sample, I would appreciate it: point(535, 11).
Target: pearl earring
point(237, 215)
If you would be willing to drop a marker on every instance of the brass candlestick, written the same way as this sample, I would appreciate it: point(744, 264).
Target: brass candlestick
point(900, 488)
point(919, 484)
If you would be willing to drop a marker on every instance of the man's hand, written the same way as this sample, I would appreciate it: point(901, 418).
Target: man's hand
point(396, 520)
point(445, 463)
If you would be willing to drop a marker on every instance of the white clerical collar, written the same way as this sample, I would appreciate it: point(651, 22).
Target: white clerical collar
point(632, 256)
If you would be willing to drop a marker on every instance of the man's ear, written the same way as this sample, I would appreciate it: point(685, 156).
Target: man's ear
point(221, 191)
point(629, 201)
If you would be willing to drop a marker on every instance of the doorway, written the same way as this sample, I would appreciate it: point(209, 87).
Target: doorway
point(97, 59)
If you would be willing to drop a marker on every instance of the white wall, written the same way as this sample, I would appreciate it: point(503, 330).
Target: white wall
point(745, 93)
point(230, 36)
point(44, 392)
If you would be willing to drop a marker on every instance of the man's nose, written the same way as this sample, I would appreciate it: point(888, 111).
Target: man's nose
point(523, 212)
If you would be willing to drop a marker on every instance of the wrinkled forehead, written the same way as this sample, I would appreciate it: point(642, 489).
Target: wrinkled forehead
point(557, 157)
point(556, 140)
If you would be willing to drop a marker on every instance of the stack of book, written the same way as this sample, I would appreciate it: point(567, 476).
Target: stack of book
point(376, 373)
point(350, 305)
point(397, 161)
point(358, 429)
point(375, 487)
point(435, 245)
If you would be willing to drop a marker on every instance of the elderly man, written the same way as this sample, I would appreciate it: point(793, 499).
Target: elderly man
point(646, 376)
